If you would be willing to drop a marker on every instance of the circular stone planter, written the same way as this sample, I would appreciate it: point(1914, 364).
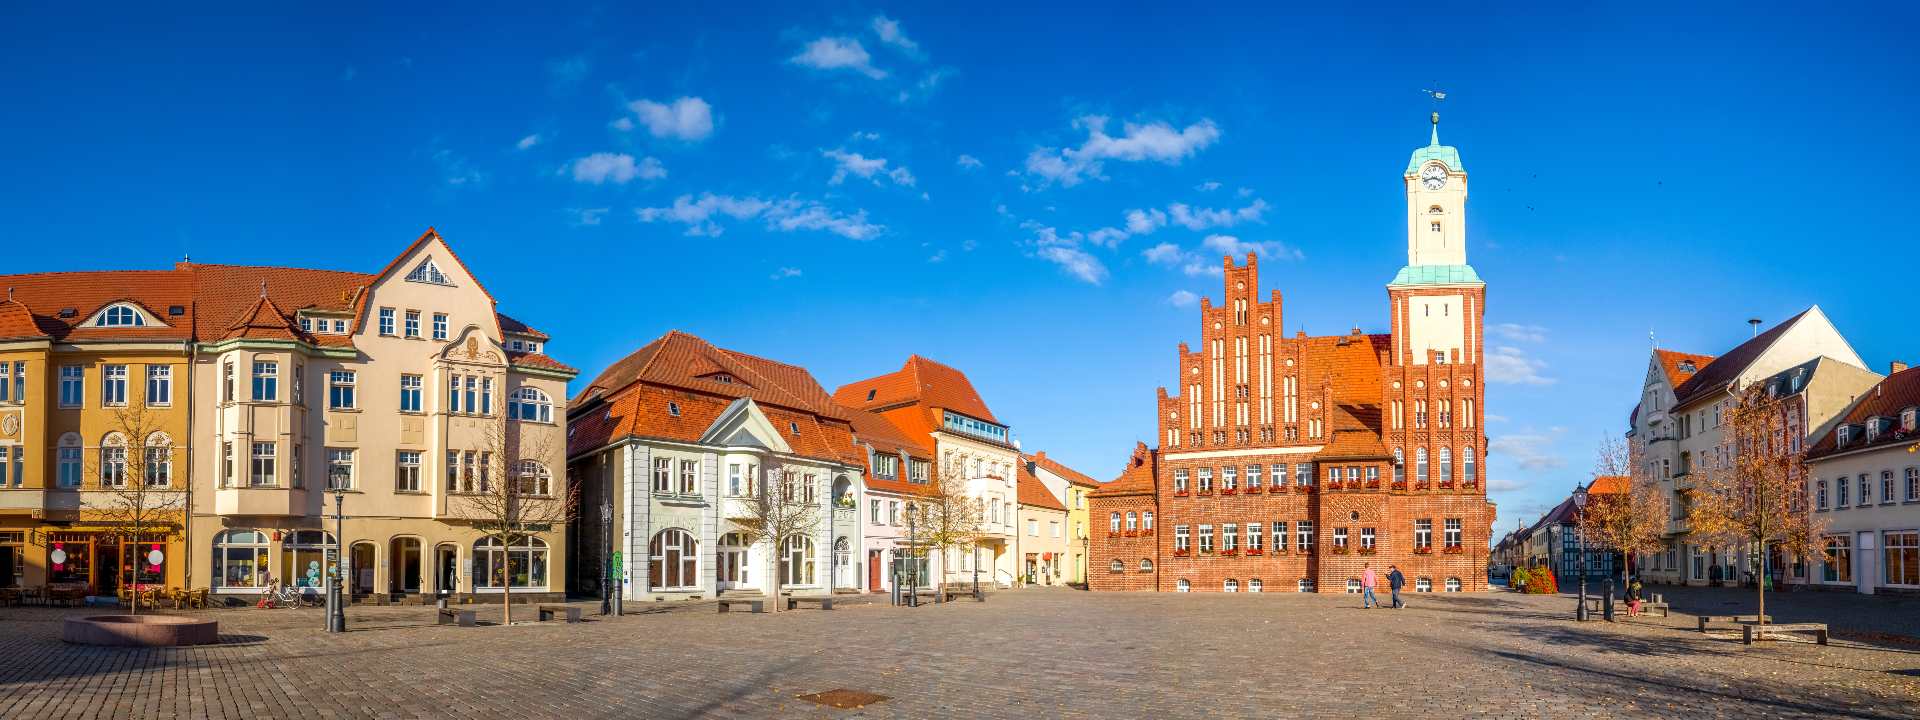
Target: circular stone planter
point(141, 630)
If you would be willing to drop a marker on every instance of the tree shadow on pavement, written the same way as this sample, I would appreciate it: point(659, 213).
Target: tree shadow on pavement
point(1735, 693)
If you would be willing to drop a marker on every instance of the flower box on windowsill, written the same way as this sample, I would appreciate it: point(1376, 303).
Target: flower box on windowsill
point(1470, 484)
point(1146, 532)
point(1279, 488)
point(1181, 493)
point(1182, 553)
point(1206, 493)
point(1446, 484)
point(1280, 551)
point(1365, 551)
point(1305, 488)
point(1229, 491)
point(1423, 551)
point(1337, 550)
point(1229, 553)
point(1402, 485)
point(1421, 486)
point(1373, 484)
point(1454, 550)
point(1255, 551)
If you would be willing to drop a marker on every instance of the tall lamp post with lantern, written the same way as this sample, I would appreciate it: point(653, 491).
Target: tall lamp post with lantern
point(1580, 521)
point(336, 592)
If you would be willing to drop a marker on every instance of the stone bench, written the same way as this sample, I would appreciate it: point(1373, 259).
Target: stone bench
point(1649, 607)
point(758, 606)
point(825, 603)
point(1749, 631)
point(953, 593)
point(452, 616)
point(549, 612)
point(1704, 619)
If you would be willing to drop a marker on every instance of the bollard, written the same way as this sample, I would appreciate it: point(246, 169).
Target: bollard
point(1606, 603)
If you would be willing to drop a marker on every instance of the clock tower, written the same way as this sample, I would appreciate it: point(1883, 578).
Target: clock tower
point(1436, 205)
point(1437, 298)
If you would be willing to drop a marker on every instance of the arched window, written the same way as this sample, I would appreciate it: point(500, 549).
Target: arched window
point(158, 464)
point(1453, 584)
point(303, 559)
point(113, 460)
point(1254, 585)
point(1446, 464)
point(672, 559)
point(1146, 564)
point(1420, 464)
point(522, 562)
point(240, 559)
point(1466, 465)
point(70, 456)
point(1183, 586)
point(1353, 586)
point(1113, 522)
point(1435, 210)
point(1423, 584)
point(532, 478)
point(1118, 566)
point(1304, 585)
point(1231, 585)
point(797, 552)
point(122, 316)
point(531, 405)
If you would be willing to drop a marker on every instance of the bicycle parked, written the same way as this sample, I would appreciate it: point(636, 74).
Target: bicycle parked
point(278, 595)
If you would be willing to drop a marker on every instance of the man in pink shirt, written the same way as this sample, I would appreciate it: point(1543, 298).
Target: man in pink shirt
point(1366, 587)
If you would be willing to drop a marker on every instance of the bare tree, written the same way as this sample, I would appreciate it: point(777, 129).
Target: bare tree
point(1633, 522)
point(137, 493)
point(1756, 497)
point(511, 493)
point(788, 505)
point(949, 517)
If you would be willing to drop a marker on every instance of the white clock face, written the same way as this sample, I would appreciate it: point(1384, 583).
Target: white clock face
point(1433, 177)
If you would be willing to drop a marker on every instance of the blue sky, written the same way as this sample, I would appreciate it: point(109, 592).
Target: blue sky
point(616, 171)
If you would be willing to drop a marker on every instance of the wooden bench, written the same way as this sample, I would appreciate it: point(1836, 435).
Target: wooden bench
point(825, 603)
point(1704, 619)
point(1748, 631)
point(758, 606)
point(1649, 607)
point(965, 591)
point(548, 612)
point(450, 616)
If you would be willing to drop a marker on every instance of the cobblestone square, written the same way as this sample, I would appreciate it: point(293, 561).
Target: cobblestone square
point(1024, 654)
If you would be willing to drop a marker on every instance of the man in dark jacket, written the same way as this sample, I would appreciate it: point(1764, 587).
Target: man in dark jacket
point(1394, 581)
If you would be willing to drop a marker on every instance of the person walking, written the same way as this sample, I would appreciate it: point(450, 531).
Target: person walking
point(1395, 581)
point(1366, 587)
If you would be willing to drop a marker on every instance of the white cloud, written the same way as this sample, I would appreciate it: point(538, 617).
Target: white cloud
point(1142, 222)
point(619, 169)
point(1076, 262)
point(1512, 366)
point(1208, 186)
point(1197, 219)
point(928, 83)
point(940, 256)
point(1173, 256)
point(1165, 253)
point(456, 170)
point(528, 141)
point(1244, 192)
point(1531, 451)
point(1183, 298)
point(968, 161)
point(786, 272)
point(701, 215)
point(1504, 485)
point(1155, 141)
point(586, 216)
point(623, 124)
point(687, 118)
point(838, 53)
point(1520, 333)
point(852, 163)
point(1109, 237)
point(1230, 245)
point(890, 33)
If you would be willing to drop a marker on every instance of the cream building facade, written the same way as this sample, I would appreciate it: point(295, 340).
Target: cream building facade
point(1865, 492)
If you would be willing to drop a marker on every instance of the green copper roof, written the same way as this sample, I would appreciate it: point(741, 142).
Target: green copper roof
point(1437, 275)
point(1435, 151)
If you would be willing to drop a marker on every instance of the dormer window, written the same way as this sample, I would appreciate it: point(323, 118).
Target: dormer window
point(793, 427)
point(1687, 366)
point(870, 394)
point(723, 378)
point(1841, 435)
point(673, 409)
point(122, 316)
point(427, 272)
point(1908, 418)
point(1873, 429)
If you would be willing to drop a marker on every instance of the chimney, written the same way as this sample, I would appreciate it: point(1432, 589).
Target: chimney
point(1896, 366)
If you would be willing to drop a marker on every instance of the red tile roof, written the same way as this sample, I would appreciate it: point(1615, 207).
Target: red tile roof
point(537, 360)
point(921, 381)
point(1137, 477)
point(681, 369)
point(1672, 363)
point(1035, 493)
point(510, 325)
point(1054, 466)
point(1887, 399)
point(1717, 374)
point(875, 430)
point(264, 321)
point(16, 322)
point(1609, 485)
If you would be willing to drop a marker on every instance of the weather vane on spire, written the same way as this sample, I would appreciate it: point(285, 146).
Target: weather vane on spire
point(1437, 95)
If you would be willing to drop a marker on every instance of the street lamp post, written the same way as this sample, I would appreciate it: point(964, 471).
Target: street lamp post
point(913, 563)
point(1580, 521)
point(336, 593)
point(606, 562)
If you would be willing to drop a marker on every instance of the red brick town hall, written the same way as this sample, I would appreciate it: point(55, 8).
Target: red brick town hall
point(1286, 463)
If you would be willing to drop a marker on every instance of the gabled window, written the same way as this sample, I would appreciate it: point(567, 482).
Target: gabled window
point(427, 272)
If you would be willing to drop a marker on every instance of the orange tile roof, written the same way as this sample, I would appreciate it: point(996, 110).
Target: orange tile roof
point(877, 431)
point(264, 321)
point(510, 325)
point(920, 380)
point(1608, 485)
point(1887, 399)
point(537, 360)
point(1670, 363)
point(681, 369)
point(47, 296)
point(1137, 477)
point(1033, 492)
point(1056, 467)
point(17, 322)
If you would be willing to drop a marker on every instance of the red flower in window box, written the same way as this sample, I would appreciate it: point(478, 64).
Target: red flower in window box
point(1470, 484)
point(1146, 532)
point(1421, 486)
point(1181, 493)
point(1373, 484)
point(1280, 551)
point(1255, 551)
point(1229, 553)
point(1182, 553)
point(1113, 533)
point(1446, 484)
point(1333, 485)
point(1337, 550)
point(1131, 533)
point(1306, 488)
point(1365, 551)
point(1423, 550)
point(1400, 485)
point(1229, 491)
point(1278, 488)
point(1454, 550)
point(1206, 492)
